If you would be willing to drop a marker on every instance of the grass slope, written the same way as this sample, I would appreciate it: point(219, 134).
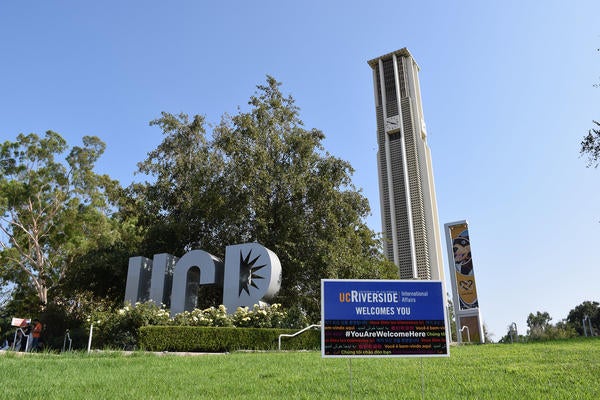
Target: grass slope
point(551, 370)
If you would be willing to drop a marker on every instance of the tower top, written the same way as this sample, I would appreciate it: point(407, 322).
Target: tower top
point(403, 52)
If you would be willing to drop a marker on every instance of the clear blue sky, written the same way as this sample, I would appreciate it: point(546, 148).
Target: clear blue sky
point(507, 93)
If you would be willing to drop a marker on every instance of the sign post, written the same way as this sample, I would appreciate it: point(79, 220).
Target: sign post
point(383, 318)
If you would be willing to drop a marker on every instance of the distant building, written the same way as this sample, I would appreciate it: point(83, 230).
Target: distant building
point(406, 187)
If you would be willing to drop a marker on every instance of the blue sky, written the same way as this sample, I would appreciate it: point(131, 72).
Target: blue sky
point(507, 92)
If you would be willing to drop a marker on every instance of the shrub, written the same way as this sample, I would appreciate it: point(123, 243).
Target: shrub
point(120, 328)
point(259, 317)
point(215, 339)
point(208, 317)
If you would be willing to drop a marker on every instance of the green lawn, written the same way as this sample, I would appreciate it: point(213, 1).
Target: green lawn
point(552, 370)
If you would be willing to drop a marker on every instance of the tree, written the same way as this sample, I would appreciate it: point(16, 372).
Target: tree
point(53, 208)
point(183, 207)
point(538, 324)
point(591, 309)
point(451, 317)
point(101, 271)
point(260, 176)
point(540, 328)
point(590, 146)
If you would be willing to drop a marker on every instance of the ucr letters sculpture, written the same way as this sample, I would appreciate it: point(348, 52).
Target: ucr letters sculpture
point(251, 273)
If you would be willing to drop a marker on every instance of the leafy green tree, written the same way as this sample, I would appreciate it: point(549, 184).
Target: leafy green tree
point(538, 323)
point(540, 328)
point(53, 208)
point(451, 317)
point(591, 309)
point(590, 146)
point(101, 271)
point(183, 207)
point(259, 176)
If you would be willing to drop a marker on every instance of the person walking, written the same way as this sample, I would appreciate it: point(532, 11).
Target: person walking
point(36, 333)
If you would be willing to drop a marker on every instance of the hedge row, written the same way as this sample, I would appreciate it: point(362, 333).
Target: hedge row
point(220, 339)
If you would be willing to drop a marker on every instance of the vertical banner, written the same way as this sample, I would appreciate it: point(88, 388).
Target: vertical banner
point(464, 288)
point(383, 318)
point(463, 265)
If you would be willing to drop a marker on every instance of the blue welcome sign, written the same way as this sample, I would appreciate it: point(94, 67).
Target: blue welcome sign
point(383, 318)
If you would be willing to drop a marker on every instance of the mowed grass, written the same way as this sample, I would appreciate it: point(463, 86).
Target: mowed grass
point(551, 370)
